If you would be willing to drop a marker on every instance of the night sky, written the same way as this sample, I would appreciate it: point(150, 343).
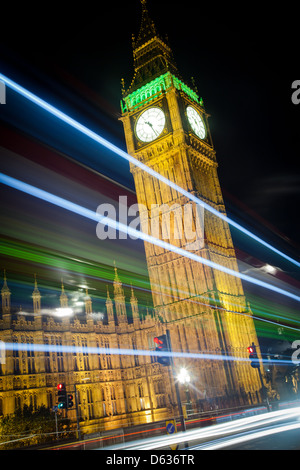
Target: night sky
point(243, 58)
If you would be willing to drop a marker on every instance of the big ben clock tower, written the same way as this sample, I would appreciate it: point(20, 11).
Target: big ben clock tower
point(166, 127)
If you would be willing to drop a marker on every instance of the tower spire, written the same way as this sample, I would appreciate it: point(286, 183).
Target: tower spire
point(109, 307)
point(119, 298)
point(118, 289)
point(88, 303)
point(147, 29)
point(5, 287)
point(36, 297)
point(134, 306)
point(63, 296)
point(5, 293)
point(107, 292)
point(152, 54)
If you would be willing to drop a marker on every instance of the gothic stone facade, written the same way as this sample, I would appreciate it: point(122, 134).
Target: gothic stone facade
point(204, 309)
point(166, 128)
point(113, 390)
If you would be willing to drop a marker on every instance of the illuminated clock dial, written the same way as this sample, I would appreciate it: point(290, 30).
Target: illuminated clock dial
point(150, 124)
point(196, 122)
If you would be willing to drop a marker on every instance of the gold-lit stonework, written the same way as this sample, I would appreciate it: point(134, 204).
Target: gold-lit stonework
point(113, 390)
point(204, 309)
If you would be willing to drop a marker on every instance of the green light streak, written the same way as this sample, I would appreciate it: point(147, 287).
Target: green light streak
point(269, 317)
point(263, 310)
point(66, 263)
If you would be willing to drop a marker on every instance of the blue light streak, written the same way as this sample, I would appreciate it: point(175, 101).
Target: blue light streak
point(68, 349)
point(96, 137)
point(87, 213)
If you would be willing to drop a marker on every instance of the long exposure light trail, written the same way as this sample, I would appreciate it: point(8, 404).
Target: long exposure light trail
point(247, 436)
point(96, 137)
point(265, 320)
point(82, 211)
point(68, 349)
point(49, 259)
point(242, 425)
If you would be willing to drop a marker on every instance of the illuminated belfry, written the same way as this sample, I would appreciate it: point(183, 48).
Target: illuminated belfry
point(152, 54)
point(166, 127)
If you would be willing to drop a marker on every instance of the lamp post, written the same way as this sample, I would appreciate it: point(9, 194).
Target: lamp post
point(184, 378)
point(169, 348)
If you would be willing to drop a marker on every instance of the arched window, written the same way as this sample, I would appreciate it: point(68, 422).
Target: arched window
point(86, 363)
point(107, 354)
point(30, 356)
point(17, 402)
point(47, 355)
point(136, 358)
point(89, 396)
point(75, 365)
point(59, 355)
point(99, 355)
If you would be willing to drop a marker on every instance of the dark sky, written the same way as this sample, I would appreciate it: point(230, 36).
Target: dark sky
point(243, 58)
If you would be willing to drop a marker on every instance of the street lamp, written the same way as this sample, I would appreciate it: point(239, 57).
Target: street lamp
point(183, 376)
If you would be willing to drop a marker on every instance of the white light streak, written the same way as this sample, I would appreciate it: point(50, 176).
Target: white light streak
point(97, 138)
point(218, 431)
point(233, 441)
point(82, 211)
point(60, 348)
point(63, 312)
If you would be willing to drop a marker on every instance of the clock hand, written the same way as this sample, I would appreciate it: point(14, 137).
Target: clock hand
point(196, 122)
point(151, 125)
point(142, 117)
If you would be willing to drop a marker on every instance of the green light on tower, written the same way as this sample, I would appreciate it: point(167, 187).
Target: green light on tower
point(154, 89)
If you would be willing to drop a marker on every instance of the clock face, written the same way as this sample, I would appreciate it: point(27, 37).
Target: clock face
point(150, 124)
point(196, 122)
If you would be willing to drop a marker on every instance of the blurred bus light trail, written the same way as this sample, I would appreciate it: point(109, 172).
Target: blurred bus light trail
point(82, 211)
point(83, 129)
